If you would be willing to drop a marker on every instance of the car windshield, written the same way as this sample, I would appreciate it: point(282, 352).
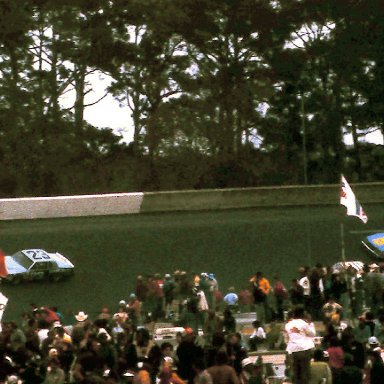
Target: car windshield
point(22, 259)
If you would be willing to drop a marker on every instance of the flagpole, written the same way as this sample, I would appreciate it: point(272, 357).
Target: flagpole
point(305, 172)
point(342, 241)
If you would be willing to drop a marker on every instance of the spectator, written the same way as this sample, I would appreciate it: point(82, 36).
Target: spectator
point(245, 300)
point(231, 299)
point(258, 335)
point(331, 308)
point(305, 283)
point(201, 374)
point(221, 372)
point(229, 322)
point(296, 293)
point(300, 332)
point(54, 374)
point(261, 289)
point(336, 359)
point(188, 352)
point(350, 373)
point(281, 294)
point(212, 325)
point(169, 294)
point(320, 371)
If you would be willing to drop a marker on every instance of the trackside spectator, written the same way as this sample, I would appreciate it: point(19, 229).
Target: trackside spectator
point(300, 331)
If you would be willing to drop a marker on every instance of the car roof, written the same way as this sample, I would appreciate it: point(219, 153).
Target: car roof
point(28, 253)
point(344, 265)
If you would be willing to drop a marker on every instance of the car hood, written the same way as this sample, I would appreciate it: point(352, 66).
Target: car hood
point(13, 267)
point(375, 243)
point(62, 261)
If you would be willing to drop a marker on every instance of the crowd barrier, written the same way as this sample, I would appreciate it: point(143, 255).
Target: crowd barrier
point(215, 199)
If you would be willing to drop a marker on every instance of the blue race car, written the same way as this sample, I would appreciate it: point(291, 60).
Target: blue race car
point(35, 264)
point(375, 244)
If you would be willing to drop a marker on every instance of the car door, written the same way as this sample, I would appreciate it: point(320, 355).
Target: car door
point(38, 270)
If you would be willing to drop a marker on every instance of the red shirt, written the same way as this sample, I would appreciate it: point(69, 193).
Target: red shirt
point(336, 357)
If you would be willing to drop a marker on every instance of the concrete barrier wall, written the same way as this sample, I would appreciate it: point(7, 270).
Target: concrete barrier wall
point(257, 197)
point(70, 206)
point(129, 203)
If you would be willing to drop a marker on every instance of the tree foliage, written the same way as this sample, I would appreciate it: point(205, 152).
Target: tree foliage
point(222, 93)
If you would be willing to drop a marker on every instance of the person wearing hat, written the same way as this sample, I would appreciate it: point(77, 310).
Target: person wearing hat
point(247, 368)
point(81, 317)
point(373, 359)
point(80, 328)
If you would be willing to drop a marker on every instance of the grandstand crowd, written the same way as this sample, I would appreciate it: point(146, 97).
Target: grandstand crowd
point(329, 322)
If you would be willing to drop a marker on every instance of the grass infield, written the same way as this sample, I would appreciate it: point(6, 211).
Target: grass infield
point(109, 252)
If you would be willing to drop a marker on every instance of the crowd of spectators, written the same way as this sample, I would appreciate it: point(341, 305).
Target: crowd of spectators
point(330, 322)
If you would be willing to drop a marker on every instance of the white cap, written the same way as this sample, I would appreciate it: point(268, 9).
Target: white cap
point(373, 340)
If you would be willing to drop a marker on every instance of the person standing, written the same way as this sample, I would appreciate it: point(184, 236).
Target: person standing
point(221, 372)
point(305, 283)
point(320, 371)
point(280, 293)
point(300, 332)
point(169, 289)
point(231, 299)
point(260, 290)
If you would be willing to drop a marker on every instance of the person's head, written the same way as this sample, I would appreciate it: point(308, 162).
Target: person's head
point(318, 355)
point(335, 319)
point(234, 338)
point(189, 336)
point(198, 365)
point(299, 312)
point(166, 349)
point(334, 341)
point(373, 342)
point(369, 316)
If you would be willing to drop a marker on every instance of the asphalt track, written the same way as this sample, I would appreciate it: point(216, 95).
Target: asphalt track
point(109, 252)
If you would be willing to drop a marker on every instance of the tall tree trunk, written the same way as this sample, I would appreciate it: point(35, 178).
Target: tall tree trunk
point(80, 93)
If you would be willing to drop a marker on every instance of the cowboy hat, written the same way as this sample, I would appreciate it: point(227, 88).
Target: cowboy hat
point(81, 316)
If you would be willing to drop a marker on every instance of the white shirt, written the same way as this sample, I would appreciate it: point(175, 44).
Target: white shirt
point(304, 282)
point(300, 335)
point(42, 334)
point(259, 332)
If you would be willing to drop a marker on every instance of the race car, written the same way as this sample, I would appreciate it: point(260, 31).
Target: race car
point(375, 244)
point(34, 264)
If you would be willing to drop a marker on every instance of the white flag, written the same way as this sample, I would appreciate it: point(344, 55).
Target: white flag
point(348, 199)
point(3, 303)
